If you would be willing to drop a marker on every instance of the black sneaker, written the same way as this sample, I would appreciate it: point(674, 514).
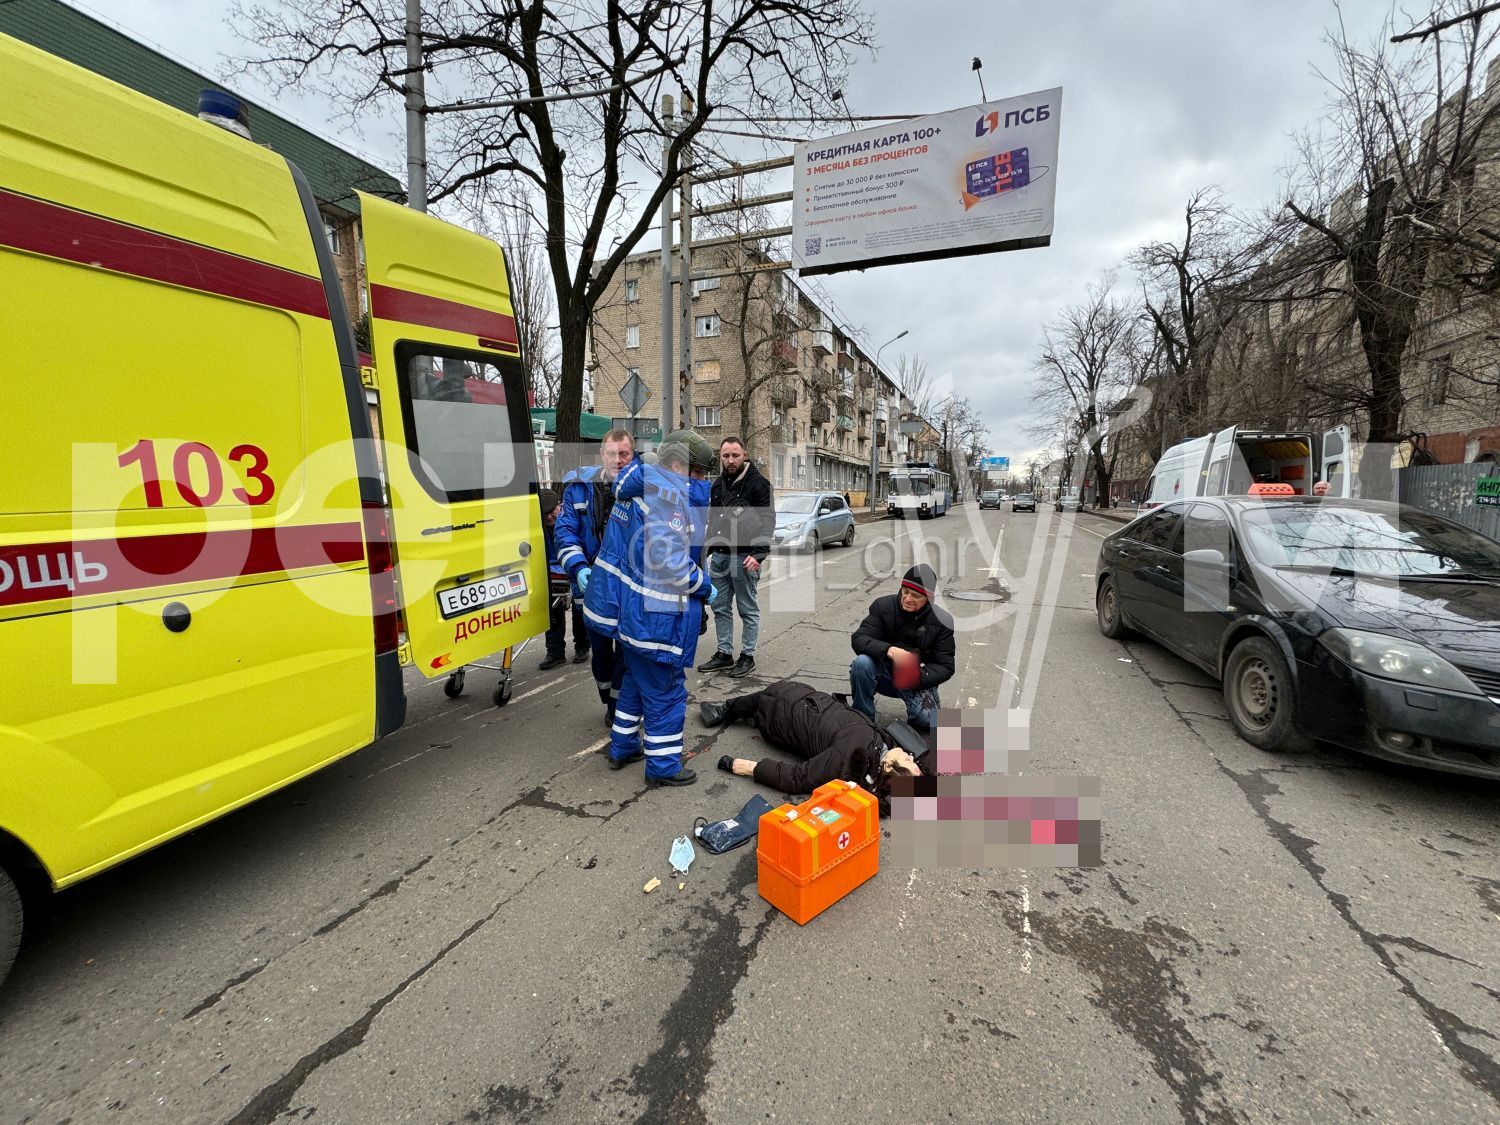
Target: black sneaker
point(717, 662)
point(629, 759)
point(552, 661)
point(726, 763)
point(713, 714)
point(581, 655)
point(743, 666)
point(682, 777)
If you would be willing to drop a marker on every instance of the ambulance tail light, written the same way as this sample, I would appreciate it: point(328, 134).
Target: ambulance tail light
point(382, 578)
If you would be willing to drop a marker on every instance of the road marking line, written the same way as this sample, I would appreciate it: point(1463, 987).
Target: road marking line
point(594, 749)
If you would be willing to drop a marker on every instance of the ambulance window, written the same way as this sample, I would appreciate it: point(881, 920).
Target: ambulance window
point(460, 412)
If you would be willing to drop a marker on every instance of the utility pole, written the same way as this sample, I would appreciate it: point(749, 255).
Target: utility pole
point(874, 404)
point(416, 104)
point(685, 268)
point(668, 376)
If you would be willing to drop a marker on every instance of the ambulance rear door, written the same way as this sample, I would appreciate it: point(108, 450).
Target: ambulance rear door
point(1219, 465)
point(1334, 462)
point(456, 424)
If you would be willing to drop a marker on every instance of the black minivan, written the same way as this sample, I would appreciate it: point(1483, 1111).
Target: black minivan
point(1372, 625)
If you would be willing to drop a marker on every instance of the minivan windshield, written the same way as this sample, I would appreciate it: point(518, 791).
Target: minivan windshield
point(1390, 541)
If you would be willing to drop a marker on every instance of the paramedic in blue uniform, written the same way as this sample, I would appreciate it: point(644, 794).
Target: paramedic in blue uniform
point(559, 610)
point(587, 497)
point(648, 589)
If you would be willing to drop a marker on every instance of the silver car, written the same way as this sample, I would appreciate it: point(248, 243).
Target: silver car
point(807, 520)
point(1069, 503)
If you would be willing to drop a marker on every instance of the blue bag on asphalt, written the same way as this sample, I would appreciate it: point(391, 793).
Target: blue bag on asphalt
point(725, 835)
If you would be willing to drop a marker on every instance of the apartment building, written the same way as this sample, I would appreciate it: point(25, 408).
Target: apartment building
point(769, 365)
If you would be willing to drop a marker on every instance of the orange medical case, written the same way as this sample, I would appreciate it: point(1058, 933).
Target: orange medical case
point(809, 856)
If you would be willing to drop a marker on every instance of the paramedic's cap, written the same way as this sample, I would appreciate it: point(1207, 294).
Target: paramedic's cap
point(689, 446)
point(549, 500)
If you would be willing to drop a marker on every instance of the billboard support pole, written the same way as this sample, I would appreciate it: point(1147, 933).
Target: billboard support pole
point(668, 375)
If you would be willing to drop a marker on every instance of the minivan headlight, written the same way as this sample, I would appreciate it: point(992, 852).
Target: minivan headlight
point(1395, 659)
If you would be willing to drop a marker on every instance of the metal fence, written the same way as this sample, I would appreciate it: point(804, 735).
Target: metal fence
point(1449, 490)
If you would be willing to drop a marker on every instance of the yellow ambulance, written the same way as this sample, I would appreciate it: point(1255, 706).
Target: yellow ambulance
point(211, 570)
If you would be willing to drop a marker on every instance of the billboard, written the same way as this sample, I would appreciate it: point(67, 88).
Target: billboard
point(969, 181)
point(1001, 464)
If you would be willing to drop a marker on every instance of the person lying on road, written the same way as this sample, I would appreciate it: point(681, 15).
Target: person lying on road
point(833, 740)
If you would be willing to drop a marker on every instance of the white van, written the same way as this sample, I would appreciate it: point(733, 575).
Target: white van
point(1229, 462)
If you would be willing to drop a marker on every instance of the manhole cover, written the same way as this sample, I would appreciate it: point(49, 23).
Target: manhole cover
point(1000, 594)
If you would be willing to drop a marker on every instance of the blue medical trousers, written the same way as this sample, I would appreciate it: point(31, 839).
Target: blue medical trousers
point(653, 704)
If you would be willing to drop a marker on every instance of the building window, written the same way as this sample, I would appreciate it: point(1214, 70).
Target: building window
point(632, 290)
point(705, 283)
point(705, 326)
point(708, 371)
point(1438, 392)
point(331, 232)
point(708, 415)
point(632, 335)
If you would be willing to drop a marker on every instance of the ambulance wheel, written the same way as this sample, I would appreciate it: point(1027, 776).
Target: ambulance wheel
point(453, 687)
point(502, 693)
point(11, 918)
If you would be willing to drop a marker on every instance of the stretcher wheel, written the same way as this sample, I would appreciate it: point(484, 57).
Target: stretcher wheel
point(453, 687)
point(502, 693)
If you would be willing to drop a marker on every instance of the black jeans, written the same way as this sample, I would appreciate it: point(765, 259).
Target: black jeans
point(557, 630)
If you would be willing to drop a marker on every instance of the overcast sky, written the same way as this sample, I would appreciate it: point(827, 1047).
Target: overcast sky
point(1160, 98)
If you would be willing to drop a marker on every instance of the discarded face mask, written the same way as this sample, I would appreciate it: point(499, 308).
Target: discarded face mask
point(724, 835)
point(682, 855)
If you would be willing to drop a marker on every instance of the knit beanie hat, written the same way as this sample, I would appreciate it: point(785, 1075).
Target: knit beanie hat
point(922, 579)
point(548, 499)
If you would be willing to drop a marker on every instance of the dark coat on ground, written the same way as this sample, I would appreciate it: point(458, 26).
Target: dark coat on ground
point(741, 514)
point(928, 633)
point(835, 742)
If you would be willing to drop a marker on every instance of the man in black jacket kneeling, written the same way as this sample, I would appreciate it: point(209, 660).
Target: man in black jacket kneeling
point(905, 647)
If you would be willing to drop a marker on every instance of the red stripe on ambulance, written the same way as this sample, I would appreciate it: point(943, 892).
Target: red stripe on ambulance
point(39, 227)
point(495, 330)
point(39, 572)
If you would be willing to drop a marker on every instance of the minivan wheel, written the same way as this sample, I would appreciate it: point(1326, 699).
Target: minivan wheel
point(12, 917)
point(1260, 697)
point(1107, 605)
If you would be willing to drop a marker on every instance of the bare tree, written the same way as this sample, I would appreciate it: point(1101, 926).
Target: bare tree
point(1083, 368)
point(1382, 196)
point(579, 140)
point(1188, 299)
point(916, 382)
point(531, 296)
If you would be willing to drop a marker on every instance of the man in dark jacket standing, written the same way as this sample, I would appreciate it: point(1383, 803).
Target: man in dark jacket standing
point(905, 647)
point(741, 520)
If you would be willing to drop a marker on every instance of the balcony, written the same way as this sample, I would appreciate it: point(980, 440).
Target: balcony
point(821, 413)
point(785, 352)
point(845, 423)
point(846, 403)
point(845, 361)
point(822, 342)
point(783, 393)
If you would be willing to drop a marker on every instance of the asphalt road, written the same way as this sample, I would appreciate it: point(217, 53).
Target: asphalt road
point(450, 925)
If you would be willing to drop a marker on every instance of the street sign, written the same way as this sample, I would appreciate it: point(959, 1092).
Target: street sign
point(635, 394)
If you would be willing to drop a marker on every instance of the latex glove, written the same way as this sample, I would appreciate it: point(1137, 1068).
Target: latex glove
point(583, 579)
